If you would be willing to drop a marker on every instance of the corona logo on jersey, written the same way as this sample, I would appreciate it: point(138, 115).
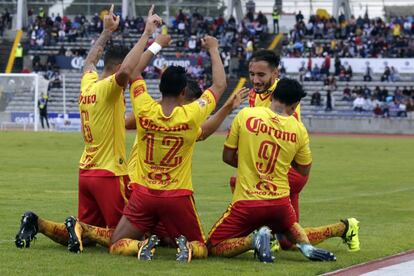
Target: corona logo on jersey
point(257, 125)
point(149, 124)
point(89, 99)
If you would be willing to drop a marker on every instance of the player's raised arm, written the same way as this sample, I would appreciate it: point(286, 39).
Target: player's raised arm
point(125, 73)
point(219, 76)
point(214, 122)
point(110, 23)
point(162, 41)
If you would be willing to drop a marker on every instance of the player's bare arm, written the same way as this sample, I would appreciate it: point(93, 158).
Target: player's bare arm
point(219, 76)
point(130, 122)
point(110, 23)
point(230, 156)
point(162, 40)
point(125, 73)
point(214, 122)
point(302, 169)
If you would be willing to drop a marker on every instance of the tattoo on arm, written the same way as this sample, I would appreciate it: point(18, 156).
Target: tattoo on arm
point(96, 51)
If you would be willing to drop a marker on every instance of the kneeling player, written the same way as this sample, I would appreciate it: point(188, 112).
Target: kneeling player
point(262, 144)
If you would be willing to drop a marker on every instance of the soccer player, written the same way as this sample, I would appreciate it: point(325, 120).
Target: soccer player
point(102, 170)
point(263, 72)
point(162, 190)
point(262, 144)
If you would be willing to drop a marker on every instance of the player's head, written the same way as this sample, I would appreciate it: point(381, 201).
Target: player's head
point(263, 70)
point(192, 91)
point(288, 92)
point(173, 82)
point(113, 58)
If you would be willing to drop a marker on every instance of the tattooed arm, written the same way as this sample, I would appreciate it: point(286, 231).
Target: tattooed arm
point(111, 23)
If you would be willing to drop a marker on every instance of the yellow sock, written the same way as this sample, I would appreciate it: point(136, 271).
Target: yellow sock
point(199, 250)
point(319, 234)
point(99, 235)
point(233, 247)
point(126, 247)
point(53, 230)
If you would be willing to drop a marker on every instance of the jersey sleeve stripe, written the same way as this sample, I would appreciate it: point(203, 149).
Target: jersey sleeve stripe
point(226, 145)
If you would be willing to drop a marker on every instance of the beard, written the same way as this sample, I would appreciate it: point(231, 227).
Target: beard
point(267, 85)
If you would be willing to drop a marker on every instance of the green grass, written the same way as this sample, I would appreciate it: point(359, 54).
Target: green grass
point(369, 178)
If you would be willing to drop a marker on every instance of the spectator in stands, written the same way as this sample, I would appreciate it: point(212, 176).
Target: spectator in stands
point(386, 75)
point(1, 28)
point(402, 109)
point(299, 17)
point(308, 75)
point(377, 92)
point(316, 98)
point(384, 94)
point(368, 104)
point(378, 110)
point(315, 74)
point(346, 94)
point(368, 73)
point(406, 92)
point(348, 72)
point(329, 100)
point(366, 91)
point(394, 75)
point(302, 71)
point(358, 104)
point(6, 19)
point(337, 65)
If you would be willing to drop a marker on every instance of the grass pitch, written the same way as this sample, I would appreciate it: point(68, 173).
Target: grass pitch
point(365, 177)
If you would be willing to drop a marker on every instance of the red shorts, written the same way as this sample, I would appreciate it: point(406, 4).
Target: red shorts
point(241, 219)
point(102, 199)
point(177, 216)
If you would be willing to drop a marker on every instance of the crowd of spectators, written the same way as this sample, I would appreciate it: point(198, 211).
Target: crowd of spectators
point(361, 37)
point(380, 101)
point(236, 40)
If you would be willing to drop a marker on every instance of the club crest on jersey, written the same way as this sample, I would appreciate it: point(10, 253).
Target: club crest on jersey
point(202, 102)
point(139, 90)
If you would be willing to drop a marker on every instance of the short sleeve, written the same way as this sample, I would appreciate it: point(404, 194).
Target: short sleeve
point(202, 108)
point(303, 155)
point(88, 79)
point(139, 94)
point(232, 140)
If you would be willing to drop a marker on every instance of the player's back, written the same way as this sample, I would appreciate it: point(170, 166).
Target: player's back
point(167, 141)
point(102, 111)
point(267, 143)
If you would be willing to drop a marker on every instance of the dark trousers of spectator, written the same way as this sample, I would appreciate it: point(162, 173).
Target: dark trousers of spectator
point(44, 117)
point(401, 114)
point(275, 23)
point(367, 78)
point(18, 64)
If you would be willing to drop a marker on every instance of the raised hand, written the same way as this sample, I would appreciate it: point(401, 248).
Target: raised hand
point(237, 98)
point(153, 22)
point(209, 42)
point(110, 21)
point(163, 40)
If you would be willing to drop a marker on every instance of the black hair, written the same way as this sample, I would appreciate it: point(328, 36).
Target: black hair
point(268, 56)
point(114, 55)
point(173, 81)
point(193, 90)
point(288, 91)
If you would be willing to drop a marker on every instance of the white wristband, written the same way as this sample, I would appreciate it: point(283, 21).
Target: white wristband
point(154, 48)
